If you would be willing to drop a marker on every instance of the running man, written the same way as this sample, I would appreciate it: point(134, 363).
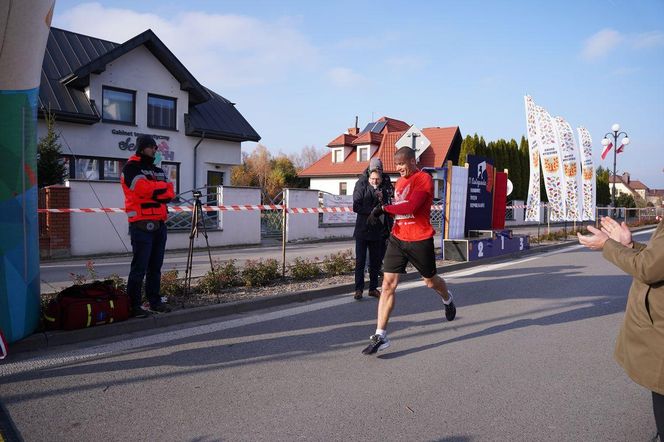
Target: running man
point(411, 241)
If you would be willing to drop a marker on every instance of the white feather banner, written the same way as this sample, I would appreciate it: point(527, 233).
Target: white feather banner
point(551, 164)
point(571, 170)
point(533, 203)
point(587, 174)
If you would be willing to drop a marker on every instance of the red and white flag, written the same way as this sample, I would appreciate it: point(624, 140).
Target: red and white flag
point(606, 150)
point(620, 149)
point(3, 346)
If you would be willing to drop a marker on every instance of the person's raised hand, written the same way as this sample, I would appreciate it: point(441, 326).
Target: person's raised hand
point(595, 241)
point(618, 232)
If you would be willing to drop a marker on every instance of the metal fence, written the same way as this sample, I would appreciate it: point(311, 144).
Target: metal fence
point(272, 221)
point(631, 215)
point(437, 217)
point(180, 221)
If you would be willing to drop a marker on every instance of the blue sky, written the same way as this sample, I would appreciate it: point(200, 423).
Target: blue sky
point(300, 71)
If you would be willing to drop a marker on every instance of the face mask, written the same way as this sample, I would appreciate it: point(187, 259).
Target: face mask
point(157, 158)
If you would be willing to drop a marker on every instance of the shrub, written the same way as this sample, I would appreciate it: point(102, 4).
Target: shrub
point(304, 269)
point(339, 263)
point(229, 274)
point(225, 275)
point(257, 273)
point(171, 285)
point(79, 279)
point(118, 282)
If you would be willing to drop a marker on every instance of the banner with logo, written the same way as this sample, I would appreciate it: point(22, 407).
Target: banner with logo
point(551, 164)
point(480, 193)
point(571, 173)
point(587, 174)
point(338, 217)
point(533, 203)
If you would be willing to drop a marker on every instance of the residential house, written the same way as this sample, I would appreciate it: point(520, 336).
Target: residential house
point(639, 191)
point(104, 94)
point(350, 153)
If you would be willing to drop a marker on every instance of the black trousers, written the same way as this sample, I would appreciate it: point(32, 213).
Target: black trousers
point(375, 261)
point(658, 408)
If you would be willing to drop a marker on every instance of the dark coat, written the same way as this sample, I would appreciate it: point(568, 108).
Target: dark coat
point(364, 200)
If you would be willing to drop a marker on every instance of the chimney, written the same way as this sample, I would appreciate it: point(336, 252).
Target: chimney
point(354, 130)
point(625, 177)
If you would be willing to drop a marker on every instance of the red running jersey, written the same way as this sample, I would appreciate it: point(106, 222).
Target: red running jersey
point(414, 226)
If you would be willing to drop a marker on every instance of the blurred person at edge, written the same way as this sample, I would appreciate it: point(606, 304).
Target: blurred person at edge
point(147, 191)
point(368, 194)
point(640, 344)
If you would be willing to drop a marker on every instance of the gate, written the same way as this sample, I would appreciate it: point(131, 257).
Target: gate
point(272, 220)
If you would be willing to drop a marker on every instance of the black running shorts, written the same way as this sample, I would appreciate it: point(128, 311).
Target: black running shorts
point(419, 253)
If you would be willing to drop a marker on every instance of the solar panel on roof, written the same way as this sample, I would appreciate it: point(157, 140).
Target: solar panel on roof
point(368, 127)
point(378, 126)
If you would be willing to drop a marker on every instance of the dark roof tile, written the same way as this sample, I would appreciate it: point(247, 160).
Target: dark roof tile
point(70, 58)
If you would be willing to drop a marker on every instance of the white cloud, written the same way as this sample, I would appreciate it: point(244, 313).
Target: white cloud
point(648, 40)
point(219, 50)
point(600, 44)
point(344, 77)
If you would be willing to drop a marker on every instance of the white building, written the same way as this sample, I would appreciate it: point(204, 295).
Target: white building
point(104, 94)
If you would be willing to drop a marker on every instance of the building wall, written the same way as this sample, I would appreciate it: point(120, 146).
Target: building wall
point(140, 71)
point(100, 233)
point(331, 185)
point(304, 226)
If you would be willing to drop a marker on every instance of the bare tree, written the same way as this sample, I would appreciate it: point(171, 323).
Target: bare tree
point(308, 156)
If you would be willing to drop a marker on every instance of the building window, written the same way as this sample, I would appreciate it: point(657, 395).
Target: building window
point(363, 153)
point(161, 112)
point(93, 169)
point(337, 156)
point(86, 169)
point(343, 188)
point(172, 171)
point(113, 169)
point(119, 105)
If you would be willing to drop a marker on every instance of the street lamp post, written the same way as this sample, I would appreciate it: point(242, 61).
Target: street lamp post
point(615, 134)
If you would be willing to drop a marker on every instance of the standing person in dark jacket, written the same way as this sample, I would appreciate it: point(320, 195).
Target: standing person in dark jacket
point(369, 192)
point(146, 193)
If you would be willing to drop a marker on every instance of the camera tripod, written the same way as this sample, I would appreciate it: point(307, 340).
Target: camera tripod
point(197, 221)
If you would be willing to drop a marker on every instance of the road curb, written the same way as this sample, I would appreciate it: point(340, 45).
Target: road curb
point(42, 341)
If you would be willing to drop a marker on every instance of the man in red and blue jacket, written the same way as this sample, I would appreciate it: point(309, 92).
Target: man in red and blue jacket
point(147, 192)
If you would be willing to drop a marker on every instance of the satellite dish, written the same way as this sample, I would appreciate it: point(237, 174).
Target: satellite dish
point(510, 186)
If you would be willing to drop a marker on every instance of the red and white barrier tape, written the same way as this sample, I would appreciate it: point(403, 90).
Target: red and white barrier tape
point(232, 208)
point(523, 206)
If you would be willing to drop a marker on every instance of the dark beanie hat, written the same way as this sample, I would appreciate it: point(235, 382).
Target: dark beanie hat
point(143, 141)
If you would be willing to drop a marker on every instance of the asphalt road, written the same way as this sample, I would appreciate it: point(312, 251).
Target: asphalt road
point(56, 274)
point(529, 358)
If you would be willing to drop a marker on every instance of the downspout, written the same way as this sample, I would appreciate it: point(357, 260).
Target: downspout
point(195, 159)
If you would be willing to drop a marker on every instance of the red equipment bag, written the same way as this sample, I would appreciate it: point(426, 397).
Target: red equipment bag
point(86, 305)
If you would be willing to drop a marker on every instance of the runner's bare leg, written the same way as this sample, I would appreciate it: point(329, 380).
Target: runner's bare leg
point(438, 284)
point(386, 300)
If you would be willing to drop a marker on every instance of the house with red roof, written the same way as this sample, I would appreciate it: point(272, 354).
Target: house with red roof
point(350, 153)
point(625, 184)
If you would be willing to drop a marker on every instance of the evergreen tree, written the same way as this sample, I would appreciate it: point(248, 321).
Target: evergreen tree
point(50, 166)
point(515, 171)
point(467, 148)
point(625, 200)
point(603, 191)
point(524, 161)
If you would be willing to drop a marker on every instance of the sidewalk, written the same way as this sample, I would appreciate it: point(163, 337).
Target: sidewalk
point(43, 341)
point(55, 274)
